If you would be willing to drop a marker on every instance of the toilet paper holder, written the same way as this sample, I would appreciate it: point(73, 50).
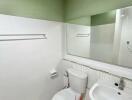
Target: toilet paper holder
point(53, 73)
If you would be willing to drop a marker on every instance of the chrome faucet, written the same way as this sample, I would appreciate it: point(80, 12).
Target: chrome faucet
point(66, 74)
point(121, 84)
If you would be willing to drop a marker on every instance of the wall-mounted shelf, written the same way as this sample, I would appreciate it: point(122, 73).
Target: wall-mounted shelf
point(16, 37)
point(82, 35)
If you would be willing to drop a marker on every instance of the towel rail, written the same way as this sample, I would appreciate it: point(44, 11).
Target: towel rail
point(16, 37)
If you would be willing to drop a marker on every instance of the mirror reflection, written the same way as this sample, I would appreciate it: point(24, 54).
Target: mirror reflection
point(107, 37)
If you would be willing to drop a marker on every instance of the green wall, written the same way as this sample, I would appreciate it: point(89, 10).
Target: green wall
point(40, 9)
point(75, 9)
point(72, 11)
point(81, 21)
point(103, 18)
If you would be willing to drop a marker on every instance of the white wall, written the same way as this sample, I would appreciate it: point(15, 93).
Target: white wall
point(125, 55)
point(78, 40)
point(102, 38)
point(117, 36)
point(25, 65)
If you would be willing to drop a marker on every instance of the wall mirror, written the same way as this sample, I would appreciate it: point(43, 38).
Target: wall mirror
point(107, 37)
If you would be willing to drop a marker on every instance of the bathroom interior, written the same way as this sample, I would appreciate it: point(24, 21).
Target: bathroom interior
point(65, 50)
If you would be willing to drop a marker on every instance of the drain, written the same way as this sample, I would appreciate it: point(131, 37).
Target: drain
point(119, 93)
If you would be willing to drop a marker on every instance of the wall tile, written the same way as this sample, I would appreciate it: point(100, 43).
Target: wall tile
point(94, 75)
point(128, 83)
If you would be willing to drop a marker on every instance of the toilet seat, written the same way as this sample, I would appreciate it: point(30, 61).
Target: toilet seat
point(66, 94)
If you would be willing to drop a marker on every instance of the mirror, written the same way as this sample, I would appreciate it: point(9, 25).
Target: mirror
point(105, 37)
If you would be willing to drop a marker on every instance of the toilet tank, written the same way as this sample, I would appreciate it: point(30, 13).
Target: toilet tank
point(77, 80)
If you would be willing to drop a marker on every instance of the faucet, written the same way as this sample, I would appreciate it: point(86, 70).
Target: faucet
point(66, 74)
point(121, 84)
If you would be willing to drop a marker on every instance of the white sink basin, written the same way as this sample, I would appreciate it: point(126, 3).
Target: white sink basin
point(106, 91)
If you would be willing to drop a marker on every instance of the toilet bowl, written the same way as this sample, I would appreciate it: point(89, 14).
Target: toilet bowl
point(78, 83)
point(66, 94)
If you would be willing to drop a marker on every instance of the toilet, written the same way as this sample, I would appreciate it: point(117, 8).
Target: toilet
point(78, 83)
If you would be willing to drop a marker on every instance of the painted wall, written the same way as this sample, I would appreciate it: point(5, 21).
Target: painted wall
point(83, 8)
point(125, 52)
point(103, 18)
point(102, 39)
point(40, 9)
point(81, 21)
point(78, 40)
point(78, 10)
point(25, 65)
point(94, 46)
point(102, 36)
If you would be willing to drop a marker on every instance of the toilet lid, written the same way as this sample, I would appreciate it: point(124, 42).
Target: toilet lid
point(66, 94)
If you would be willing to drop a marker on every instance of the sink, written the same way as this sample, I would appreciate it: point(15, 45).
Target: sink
point(107, 91)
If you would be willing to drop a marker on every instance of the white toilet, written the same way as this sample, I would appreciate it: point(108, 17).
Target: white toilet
point(78, 82)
